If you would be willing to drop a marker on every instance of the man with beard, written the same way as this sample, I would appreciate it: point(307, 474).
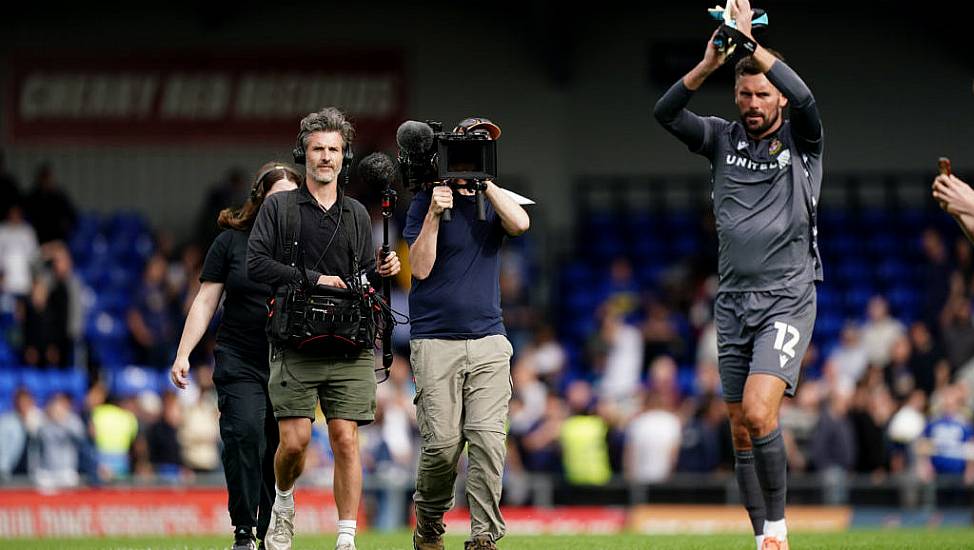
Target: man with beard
point(332, 246)
point(767, 175)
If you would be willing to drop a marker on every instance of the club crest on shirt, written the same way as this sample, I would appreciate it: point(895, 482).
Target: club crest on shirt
point(784, 158)
point(775, 147)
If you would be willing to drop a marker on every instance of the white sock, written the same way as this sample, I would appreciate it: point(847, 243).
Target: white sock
point(284, 498)
point(776, 529)
point(346, 531)
point(759, 539)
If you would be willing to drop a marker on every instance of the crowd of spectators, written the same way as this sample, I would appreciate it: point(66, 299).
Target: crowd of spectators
point(640, 403)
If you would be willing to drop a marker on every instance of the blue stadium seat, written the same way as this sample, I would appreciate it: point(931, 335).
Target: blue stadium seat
point(856, 298)
point(112, 352)
point(9, 381)
point(828, 326)
point(904, 301)
point(826, 298)
point(841, 245)
point(684, 245)
point(38, 383)
point(893, 271)
point(648, 274)
point(74, 383)
point(883, 246)
point(836, 220)
point(133, 380)
point(853, 272)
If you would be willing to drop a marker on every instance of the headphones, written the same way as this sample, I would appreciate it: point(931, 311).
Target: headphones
point(300, 158)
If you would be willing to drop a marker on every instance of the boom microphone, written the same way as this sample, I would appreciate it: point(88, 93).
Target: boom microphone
point(414, 137)
point(378, 170)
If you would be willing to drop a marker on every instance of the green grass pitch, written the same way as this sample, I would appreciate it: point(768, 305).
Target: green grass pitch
point(894, 539)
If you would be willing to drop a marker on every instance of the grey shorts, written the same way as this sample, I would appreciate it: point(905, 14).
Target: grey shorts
point(764, 332)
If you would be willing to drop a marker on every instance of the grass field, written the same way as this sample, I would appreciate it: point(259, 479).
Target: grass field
point(939, 539)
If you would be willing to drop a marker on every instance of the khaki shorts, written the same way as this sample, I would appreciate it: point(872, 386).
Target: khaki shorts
point(344, 384)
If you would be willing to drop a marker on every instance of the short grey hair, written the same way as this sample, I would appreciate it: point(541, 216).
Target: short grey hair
point(328, 119)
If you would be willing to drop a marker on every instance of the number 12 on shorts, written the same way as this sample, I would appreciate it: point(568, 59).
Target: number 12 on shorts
point(787, 349)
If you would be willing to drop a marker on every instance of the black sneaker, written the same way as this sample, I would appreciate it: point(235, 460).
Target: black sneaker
point(243, 539)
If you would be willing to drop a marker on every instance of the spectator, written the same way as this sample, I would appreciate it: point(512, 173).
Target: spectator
point(18, 250)
point(64, 278)
point(833, 446)
point(899, 375)
point(165, 452)
point(935, 274)
point(17, 429)
point(390, 445)
point(948, 438)
point(663, 381)
point(231, 191)
point(652, 442)
point(45, 321)
point(872, 408)
point(60, 440)
point(583, 436)
point(546, 356)
point(115, 429)
point(707, 345)
point(9, 188)
point(529, 400)
point(880, 332)
point(539, 446)
point(905, 427)
point(848, 361)
point(927, 360)
point(621, 292)
point(661, 333)
point(48, 208)
point(958, 332)
point(199, 433)
point(700, 441)
point(519, 315)
point(616, 352)
point(150, 319)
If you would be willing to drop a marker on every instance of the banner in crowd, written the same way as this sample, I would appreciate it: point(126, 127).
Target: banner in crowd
point(142, 512)
point(210, 97)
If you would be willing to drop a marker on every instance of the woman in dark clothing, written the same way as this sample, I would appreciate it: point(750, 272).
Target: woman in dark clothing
point(247, 424)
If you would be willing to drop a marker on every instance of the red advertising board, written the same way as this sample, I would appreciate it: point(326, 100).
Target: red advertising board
point(142, 512)
point(236, 97)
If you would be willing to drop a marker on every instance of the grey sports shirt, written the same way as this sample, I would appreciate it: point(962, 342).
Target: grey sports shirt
point(765, 192)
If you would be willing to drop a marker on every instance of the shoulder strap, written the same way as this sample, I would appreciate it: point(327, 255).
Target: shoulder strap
point(292, 228)
point(355, 245)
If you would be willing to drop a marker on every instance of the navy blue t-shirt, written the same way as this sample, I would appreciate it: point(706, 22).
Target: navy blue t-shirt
point(461, 297)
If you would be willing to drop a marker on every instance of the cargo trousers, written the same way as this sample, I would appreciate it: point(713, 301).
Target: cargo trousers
point(463, 389)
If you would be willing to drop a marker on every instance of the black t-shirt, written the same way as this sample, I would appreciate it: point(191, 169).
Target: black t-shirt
point(241, 330)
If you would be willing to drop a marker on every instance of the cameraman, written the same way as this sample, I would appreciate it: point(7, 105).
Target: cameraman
point(459, 351)
point(334, 229)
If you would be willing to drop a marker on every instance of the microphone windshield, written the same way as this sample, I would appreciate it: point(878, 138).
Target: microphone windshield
point(378, 170)
point(414, 137)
